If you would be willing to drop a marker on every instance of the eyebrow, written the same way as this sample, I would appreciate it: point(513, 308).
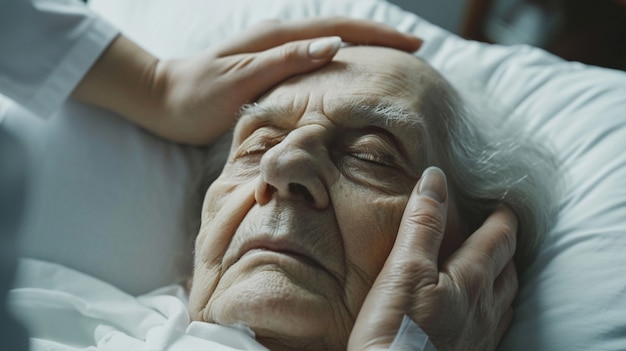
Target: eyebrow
point(263, 112)
point(376, 113)
point(382, 114)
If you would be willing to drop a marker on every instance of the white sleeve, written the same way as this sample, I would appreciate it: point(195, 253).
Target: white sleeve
point(46, 47)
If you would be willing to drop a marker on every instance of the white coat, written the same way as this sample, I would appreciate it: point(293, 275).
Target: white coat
point(46, 47)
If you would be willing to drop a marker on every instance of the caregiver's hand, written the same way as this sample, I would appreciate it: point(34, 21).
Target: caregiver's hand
point(462, 304)
point(196, 99)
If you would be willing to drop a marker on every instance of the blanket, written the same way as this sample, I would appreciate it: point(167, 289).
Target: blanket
point(67, 310)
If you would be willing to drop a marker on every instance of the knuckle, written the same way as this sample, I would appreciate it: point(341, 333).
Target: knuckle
point(419, 272)
point(335, 24)
point(426, 218)
point(241, 67)
point(471, 279)
point(507, 219)
point(508, 235)
point(507, 230)
point(289, 52)
point(274, 28)
point(410, 267)
point(501, 236)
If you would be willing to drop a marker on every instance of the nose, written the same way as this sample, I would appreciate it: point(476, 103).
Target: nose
point(295, 169)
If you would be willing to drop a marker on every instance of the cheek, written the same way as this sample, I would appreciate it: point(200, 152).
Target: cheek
point(215, 198)
point(218, 192)
point(225, 206)
point(368, 222)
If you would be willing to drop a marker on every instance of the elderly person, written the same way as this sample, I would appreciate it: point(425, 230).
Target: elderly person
point(315, 238)
point(53, 49)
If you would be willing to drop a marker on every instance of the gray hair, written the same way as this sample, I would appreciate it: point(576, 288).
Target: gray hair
point(489, 160)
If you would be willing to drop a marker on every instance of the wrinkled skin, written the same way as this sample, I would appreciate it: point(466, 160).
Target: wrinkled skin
point(298, 226)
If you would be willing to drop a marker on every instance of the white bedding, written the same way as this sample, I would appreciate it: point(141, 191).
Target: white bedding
point(129, 194)
point(69, 311)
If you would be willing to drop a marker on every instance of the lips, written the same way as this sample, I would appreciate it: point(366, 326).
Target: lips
point(285, 247)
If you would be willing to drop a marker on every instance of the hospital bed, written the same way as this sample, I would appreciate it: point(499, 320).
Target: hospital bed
point(108, 203)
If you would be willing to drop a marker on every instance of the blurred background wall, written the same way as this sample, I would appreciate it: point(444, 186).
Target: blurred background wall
point(588, 31)
point(444, 13)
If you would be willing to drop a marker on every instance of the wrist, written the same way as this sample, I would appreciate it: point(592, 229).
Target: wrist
point(147, 104)
point(125, 79)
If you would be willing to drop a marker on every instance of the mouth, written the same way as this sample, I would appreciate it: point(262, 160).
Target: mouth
point(283, 248)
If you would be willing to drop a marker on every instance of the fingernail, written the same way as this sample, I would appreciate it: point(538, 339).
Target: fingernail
point(324, 47)
point(433, 184)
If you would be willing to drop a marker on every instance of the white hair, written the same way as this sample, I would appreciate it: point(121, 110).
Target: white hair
point(489, 160)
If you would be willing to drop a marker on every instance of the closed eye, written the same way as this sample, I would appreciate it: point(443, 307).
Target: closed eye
point(258, 148)
point(259, 142)
point(378, 160)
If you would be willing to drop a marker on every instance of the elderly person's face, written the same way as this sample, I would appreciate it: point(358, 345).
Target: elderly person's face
point(306, 210)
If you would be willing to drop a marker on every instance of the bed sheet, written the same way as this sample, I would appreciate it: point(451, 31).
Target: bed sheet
point(68, 310)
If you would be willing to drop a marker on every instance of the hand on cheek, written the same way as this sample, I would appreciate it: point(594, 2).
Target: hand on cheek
point(462, 304)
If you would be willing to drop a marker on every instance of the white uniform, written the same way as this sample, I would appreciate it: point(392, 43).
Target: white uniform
point(46, 47)
point(73, 216)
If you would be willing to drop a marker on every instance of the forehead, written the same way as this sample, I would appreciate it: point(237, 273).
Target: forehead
point(362, 86)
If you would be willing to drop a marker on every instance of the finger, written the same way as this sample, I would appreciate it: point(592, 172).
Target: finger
point(493, 245)
point(411, 265)
point(266, 69)
point(505, 288)
point(423, 223)
point(273, 33)
point(503, 326)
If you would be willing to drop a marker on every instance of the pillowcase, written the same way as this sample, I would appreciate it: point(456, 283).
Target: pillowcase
point(110, 196)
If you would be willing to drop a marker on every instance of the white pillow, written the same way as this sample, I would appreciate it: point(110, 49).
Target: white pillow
point(112, 195)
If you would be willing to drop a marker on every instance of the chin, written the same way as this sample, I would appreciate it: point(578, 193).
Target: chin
point(275, 308)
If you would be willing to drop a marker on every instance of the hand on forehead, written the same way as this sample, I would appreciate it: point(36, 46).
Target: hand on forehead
point(364, 87)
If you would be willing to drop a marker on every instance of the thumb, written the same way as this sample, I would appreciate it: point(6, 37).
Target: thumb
point(424, 220)
point(410, 268)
